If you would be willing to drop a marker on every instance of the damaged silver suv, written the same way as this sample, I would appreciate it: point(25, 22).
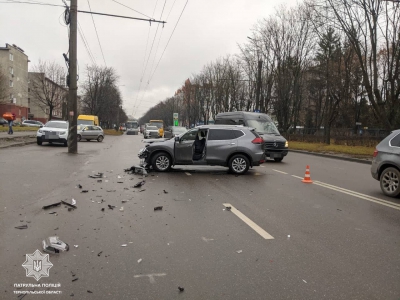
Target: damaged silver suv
point(236, 147)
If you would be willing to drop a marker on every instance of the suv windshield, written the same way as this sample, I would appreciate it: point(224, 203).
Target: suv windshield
point(263, 126)
point(56, 125)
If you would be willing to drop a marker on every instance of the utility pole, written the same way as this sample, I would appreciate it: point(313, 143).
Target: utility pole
point(73, 88)
point(258, 88)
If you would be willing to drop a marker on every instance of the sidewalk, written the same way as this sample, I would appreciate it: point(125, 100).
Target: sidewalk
point(340, 156)
point(20, 138)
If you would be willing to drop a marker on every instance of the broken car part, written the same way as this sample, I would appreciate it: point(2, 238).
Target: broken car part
point(158, 208)
point(51, 205)
point(54, 245)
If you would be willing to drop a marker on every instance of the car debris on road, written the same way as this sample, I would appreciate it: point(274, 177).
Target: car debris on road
point(22, 227)
point(139, 184)
point(51, 205)
point(53, 245)
point(158, 208)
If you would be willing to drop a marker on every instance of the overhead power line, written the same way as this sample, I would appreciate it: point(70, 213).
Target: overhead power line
point(130, 8)
point(98, 39)
point(118, 16)
point(26, 2)
point(165, 48)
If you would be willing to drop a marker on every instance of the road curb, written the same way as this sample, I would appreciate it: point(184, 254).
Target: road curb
point(357, 160)
point(17, 144)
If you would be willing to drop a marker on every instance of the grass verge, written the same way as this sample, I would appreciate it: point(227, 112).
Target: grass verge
point(18, 128)
point(356, 151)
point(112, 132)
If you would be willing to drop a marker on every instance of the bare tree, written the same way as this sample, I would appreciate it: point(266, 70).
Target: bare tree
point(46, 84)
point(372, 26)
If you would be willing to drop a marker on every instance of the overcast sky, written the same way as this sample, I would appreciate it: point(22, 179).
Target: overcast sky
point(207, 30)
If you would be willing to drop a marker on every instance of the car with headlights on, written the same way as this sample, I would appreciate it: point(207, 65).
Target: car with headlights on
point(233, 146)
point(53, 132)
point(90, 132)
point(385, 165)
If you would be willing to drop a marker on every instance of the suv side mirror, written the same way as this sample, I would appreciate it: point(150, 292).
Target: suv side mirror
point(177, 139)
point(41, 126)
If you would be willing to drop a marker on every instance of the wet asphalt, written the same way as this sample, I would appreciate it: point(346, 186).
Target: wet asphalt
point(328, 244)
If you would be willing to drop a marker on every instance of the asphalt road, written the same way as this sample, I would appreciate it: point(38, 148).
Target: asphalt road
point(337, 238)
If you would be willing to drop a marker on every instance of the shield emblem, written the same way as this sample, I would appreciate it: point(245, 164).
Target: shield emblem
point(37, 265)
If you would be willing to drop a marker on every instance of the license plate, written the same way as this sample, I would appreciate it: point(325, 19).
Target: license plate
point(275, 155)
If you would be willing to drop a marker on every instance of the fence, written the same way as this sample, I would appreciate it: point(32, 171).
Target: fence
point(340, 136)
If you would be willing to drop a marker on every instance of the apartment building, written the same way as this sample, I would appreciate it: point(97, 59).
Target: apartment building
point(14, 64)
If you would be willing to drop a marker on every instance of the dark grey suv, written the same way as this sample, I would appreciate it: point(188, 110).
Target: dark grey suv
point(236, 147)
point(386, 164)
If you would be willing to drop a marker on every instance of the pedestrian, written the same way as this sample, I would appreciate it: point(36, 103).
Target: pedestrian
point(10, 125)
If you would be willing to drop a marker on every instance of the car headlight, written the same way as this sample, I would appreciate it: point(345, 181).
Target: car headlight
point(286, 144)
point(62, 132)
point(40, 131)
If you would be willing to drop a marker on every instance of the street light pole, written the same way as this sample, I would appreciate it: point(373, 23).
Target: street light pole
point(73, 88)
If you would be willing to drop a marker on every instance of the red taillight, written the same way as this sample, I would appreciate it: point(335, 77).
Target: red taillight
point(375, 153)
point(258, 140)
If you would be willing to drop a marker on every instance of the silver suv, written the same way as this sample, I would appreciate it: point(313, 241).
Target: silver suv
point(236, 147)
point(386, 164)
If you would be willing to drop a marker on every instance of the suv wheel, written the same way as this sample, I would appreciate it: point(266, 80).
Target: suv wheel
point(100, 138)
point(79, 137)
point(239, 164)
point(390, 182)
point(39, 141)
point(161, 162)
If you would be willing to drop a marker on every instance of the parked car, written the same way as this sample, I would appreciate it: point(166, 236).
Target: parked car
point(236, 147)
point(32, 123)
point(173, 131)
point(3, 121)
point(276, 146)
point(386, 164)
point(151, 132)
point(141, 128)
point(53, 132)
point(90, 132)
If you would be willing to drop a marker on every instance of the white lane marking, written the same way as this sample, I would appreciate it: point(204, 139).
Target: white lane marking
point(188, 174)
point(206, 239)
point(151, 276)
point(279, 171)
point(297, 176)
point(358, 195)
point(249, 222)
point(86, 162)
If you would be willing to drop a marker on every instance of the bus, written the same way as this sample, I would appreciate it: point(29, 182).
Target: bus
point(132, 127)
point(160, 126)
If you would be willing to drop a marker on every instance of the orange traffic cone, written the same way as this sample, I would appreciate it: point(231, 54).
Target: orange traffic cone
point(307, 177)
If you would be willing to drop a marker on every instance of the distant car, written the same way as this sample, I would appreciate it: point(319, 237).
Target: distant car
point(151, 132)
point(53, 132)
point(32, 123)
point(3, 121)
point(90, 132)
point(173, 131)
point(386, 164)
point(236, 147)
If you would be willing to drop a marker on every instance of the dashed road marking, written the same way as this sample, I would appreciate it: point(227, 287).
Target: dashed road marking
point(297, 176)
point(249, 222)
point(279, 171)
point(188, 174)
